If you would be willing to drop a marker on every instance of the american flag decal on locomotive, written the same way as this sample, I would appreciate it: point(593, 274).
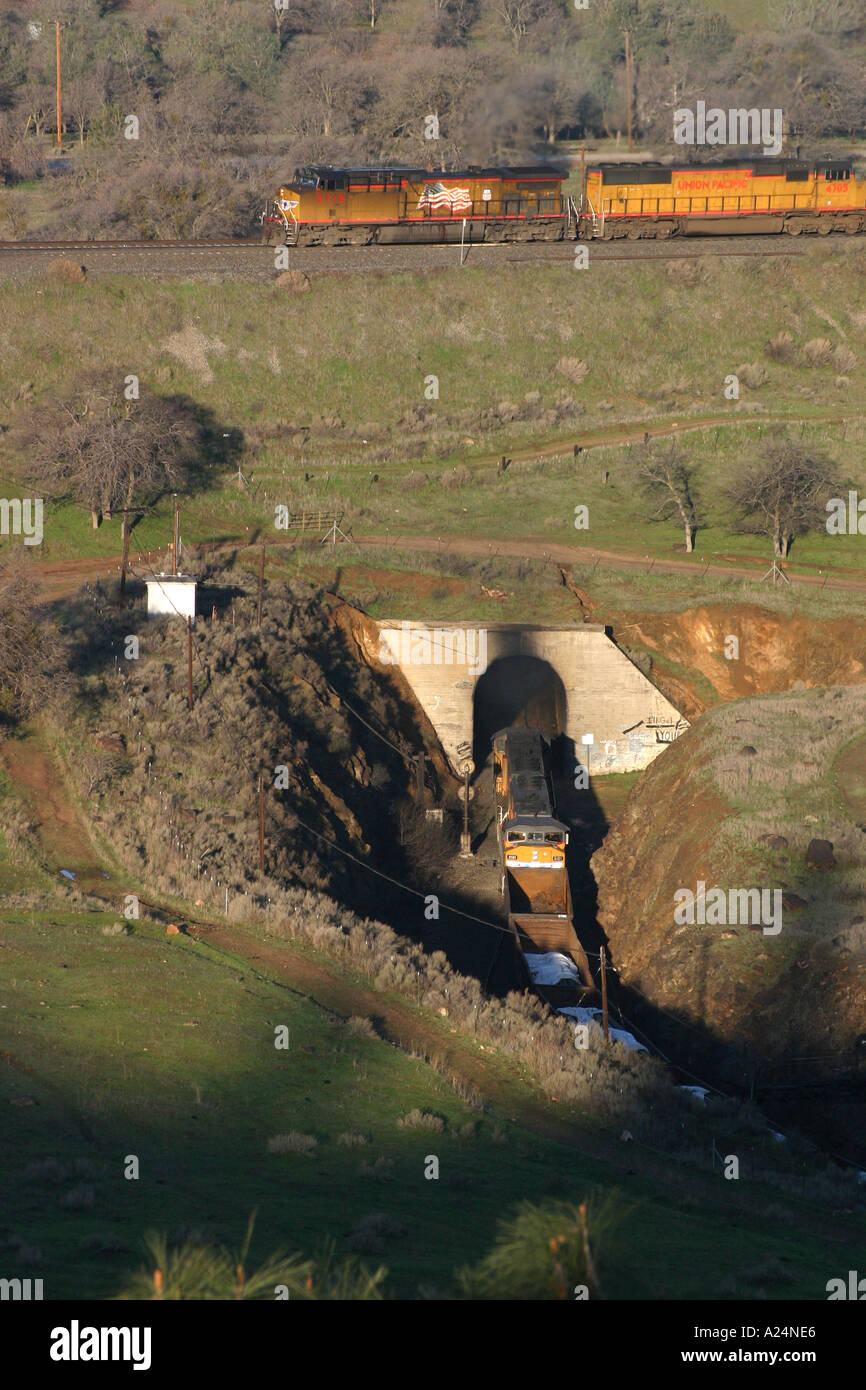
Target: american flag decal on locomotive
point(438, 198)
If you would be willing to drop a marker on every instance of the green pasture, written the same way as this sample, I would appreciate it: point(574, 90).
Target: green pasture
point(164, 1049)
point(322, 388)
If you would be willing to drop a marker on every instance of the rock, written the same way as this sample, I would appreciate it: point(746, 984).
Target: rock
point(172, 930)
point(748, 751)
point(773, 841)
point(727, 935)
point(294, 281)
point(819, 855)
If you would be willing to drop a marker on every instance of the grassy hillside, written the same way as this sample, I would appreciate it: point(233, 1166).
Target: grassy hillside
point(532, 360)
point(736, 804)
point(119, 1044)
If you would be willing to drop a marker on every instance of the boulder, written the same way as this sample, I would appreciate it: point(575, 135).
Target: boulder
point(819, 855)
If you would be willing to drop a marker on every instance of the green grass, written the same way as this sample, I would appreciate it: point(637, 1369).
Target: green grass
point(488, 337)
point(99, 1030)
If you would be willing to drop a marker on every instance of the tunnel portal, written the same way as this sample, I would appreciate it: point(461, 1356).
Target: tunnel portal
point(517, 690)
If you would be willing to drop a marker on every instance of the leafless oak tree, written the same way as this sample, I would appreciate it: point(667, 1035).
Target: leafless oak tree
point(782, 492)
point(104, 452)
point(666, 478)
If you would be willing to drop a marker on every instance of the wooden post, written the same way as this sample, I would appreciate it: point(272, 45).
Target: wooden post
point(124, 553)
point(59, 137)
point(465, 837)
point(261, 585)
point(261, 823)
point(603, 993)
point(189, 660)
point(176, 532)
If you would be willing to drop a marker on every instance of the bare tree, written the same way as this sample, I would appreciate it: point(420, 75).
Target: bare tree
point(103, 451)
point(780, 493)
point(666, 478)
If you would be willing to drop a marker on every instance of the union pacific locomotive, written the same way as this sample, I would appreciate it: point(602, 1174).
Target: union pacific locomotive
point(321, 206)
point(530, 835)
point(734, 195)
point(356, 207)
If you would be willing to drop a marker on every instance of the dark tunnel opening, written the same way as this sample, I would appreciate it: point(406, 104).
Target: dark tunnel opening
point(517, 690)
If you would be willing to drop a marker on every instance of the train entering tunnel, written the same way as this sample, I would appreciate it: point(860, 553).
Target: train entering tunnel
point(519, 689)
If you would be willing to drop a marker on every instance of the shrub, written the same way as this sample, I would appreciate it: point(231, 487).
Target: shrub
point(543, 1252)
point(572, 368)
point(194, 1271)
point(62, 269)
point(293, 1143)
point(818, 352)
point(781, 347)
point(422, 1119)
point(380, 1169)
point(361, 1027)
point(752, 375)
point(844, 359)
point(352, 1139)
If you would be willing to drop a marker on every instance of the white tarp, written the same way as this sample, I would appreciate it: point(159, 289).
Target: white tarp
point(699, 1092)
point(551, 968)
point(594, 1017)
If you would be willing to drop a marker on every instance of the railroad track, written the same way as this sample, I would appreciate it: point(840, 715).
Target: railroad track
point(324, 257)
point(125, 245)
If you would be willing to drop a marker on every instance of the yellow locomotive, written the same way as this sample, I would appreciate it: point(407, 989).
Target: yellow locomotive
point(736, 195)
point(321, 206)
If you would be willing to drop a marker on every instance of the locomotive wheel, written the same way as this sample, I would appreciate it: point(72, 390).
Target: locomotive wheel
point(793, 228)
point(824, 229)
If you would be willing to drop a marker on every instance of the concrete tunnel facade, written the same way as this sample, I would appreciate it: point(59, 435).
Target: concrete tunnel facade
point(617, 719)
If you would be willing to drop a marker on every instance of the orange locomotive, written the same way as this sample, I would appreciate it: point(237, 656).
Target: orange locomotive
point(742, 195)
point(355, 207)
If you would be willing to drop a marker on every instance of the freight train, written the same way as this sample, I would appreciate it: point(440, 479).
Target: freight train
point(532, 843)
point(321, 206)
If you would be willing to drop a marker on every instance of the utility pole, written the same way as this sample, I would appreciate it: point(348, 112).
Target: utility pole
point(124, 553)
point(603, 992)
point(189, 661)
point(628, 85)
point(466, 792)
point(59, 137)
point(261, 585)
point(261, 823)
point(174, 544)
